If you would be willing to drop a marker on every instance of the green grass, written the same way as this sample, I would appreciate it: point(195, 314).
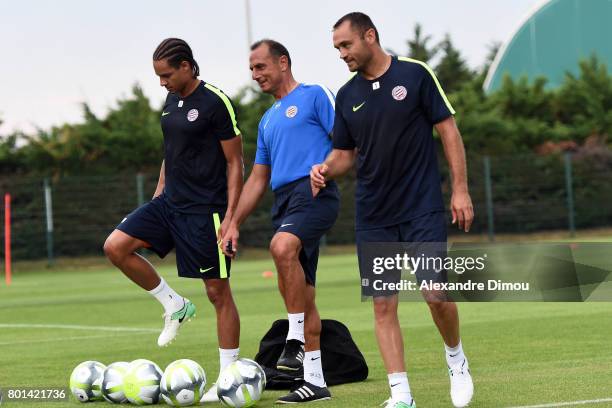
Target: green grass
point(520, 353)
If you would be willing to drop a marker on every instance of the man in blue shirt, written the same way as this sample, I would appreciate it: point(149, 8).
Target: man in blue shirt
point(385, 115)
point(294, 134)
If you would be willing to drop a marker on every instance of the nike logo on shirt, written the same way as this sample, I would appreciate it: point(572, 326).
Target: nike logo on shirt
point(165, 113)
point(356, 108)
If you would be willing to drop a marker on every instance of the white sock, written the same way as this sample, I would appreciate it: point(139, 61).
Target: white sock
point(400, 389)
point(296, 327)
point(227, 357)
point(454, 355)
point(170, 300)
point(313, 370)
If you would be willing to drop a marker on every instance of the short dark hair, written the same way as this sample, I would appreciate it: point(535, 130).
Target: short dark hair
point(360, 22)
point(276, 49)
point(176, 51)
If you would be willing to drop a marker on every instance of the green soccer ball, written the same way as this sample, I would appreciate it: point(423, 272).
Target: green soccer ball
point(112, 382)
point(141, 382)
point(183, 383)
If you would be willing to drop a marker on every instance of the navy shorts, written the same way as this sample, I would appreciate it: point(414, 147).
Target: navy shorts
point(296, 211)
point(428, 228)
point(193, 235)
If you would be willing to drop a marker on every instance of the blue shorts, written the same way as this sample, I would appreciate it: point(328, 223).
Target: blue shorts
point(193, 235)
point(428, 228)
point(296, 211)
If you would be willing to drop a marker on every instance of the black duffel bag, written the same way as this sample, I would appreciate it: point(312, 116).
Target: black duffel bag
point(342, 361)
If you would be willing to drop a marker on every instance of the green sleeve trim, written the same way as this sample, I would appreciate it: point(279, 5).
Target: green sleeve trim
point(222, 265)
point(424, 65)
point(228, 105)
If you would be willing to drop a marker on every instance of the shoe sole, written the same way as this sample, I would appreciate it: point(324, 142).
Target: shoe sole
point(285, 368)
point(302, 402)
point(177, 334)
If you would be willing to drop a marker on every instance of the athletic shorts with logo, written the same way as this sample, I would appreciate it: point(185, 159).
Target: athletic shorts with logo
point(296, 211)
point(193, 235)
point(428, 229)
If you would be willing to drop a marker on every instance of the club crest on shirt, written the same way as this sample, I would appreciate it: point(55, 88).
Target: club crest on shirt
point(399, 93)
point(192, 115)
point(291, 111)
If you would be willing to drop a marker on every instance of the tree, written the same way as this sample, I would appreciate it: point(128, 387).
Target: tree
point(129, 137)
point(251, 104)
point(493, 49)
point(584, 102)
point(418, 48)
point(452, 70)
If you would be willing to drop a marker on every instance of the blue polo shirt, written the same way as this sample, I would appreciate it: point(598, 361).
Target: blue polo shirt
point(390, 121)
point(294, 134)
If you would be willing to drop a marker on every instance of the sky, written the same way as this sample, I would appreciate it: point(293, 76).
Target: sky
point(57, 55)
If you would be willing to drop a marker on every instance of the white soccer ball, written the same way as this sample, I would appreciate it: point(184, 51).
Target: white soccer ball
point(141, 382)
point(85, 381)
point(112, 382)
point(183, 383)
point(241, 383)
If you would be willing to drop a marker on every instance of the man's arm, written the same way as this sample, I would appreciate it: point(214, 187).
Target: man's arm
point(161, 182)
point(461, 203)
point(232, 149)
point(337, 163)
point(254, 189)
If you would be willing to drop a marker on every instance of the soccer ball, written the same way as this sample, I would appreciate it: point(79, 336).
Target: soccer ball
point(85, 381)
point(183, 383)
point(141, 382)
point(112, 382)
point(241, 383)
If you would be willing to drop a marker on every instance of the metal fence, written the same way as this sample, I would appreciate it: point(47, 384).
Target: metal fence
point(71, 216)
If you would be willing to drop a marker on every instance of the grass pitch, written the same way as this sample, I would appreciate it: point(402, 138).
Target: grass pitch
point(520, 353)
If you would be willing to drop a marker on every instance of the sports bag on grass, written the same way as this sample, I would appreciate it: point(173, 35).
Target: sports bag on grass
point(342, 361)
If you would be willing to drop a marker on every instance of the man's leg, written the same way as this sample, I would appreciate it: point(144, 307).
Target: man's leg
point(228, 327)
point(446, 318)
point(299, 300)
point(285, 249)
point(430, 230)
point(312, 327)
point(120, 248)
point(313, 369)
point(387, 327)
point(228, 321)
point(391, 346)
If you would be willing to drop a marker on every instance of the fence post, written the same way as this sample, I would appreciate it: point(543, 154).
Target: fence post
point(7, 238)
point(489, 198)
point(140, 188)
point(49, 218)
point(570, 194)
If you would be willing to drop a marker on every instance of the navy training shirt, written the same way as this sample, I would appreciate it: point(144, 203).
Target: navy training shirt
point(195, 165)
point(390, 121)
point(294, 134)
